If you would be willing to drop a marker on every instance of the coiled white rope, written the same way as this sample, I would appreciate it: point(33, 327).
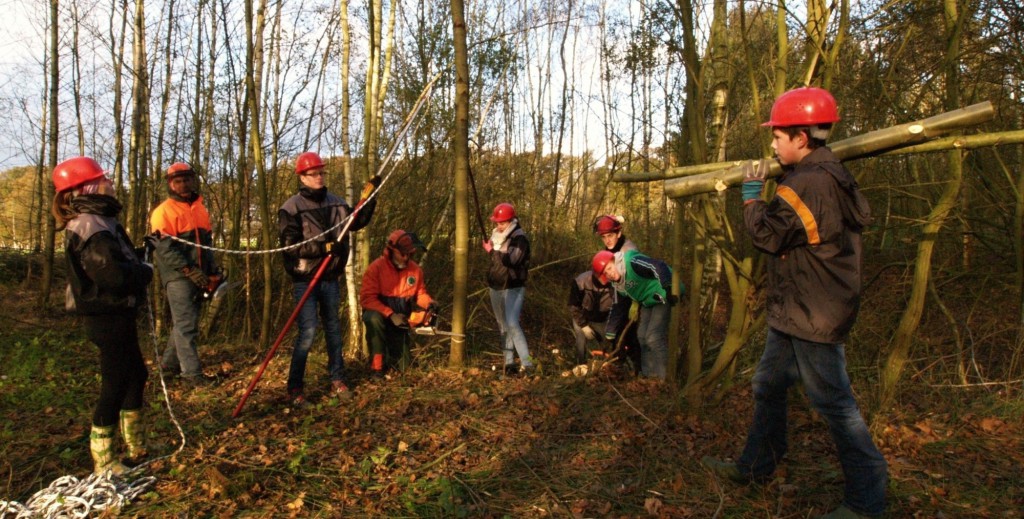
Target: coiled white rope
point(70, 497)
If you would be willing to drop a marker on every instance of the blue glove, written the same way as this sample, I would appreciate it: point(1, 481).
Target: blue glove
point(753, 179)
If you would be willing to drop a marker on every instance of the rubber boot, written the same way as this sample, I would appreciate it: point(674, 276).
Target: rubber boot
point(133, 434)
point(101, 445)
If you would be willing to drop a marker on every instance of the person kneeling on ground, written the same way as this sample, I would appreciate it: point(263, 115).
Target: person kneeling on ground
point(590, 301)
point(393, 290)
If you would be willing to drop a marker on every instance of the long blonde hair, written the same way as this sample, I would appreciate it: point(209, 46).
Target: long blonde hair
point(62, 210)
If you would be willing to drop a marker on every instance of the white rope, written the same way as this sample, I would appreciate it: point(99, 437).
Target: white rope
point(347, 220)
point(69, 497)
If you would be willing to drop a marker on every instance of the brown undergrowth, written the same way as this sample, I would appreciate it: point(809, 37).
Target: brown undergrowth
point(441, 442)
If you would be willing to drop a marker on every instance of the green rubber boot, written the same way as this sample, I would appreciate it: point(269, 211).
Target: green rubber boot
point(134, 434)
point(101, 445)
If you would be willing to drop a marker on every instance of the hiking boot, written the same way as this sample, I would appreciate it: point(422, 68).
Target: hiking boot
point(340, 390)
point(724, 469)
point(195, 381)
point(844, 513)
point(170, 371)
point(296, 399)
point(530, 370)
point(511, 370)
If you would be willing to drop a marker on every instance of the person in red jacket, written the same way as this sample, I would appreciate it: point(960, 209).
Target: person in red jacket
point(184, 269)
point(393, 291)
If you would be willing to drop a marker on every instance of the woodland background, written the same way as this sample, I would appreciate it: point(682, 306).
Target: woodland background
point(239, 88)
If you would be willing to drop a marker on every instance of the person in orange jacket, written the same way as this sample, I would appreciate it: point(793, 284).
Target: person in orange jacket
point(184, 269)
point(393, 296)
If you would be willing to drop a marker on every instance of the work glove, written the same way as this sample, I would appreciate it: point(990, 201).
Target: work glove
point(399, 320)
point(634, 311)
point(609, 336)
point(487, 246)
point(197, 277)
point(433, 308)
point(754, 175)
point(369, 187)
point(589, 333)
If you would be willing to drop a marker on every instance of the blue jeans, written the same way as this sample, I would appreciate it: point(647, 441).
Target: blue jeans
point(326, 297)
point(821, 368)
point(181, 342)
point(507, 305)
point(652, 334)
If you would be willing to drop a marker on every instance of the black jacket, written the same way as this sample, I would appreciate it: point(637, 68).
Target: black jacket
point(811, 230)
point(589, 300)
point(510, 264)
point(307, 214)
point(105, 276)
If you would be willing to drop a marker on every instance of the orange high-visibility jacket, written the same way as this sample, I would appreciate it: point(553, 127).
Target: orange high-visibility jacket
point(188, 221)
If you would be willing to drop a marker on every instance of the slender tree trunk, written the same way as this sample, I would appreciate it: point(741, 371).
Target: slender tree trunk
point(50, 234)
point(117, 63)
point(253, 65)
point(76, 77)
point(904, 337)
point(460, 275)
point(355, 343)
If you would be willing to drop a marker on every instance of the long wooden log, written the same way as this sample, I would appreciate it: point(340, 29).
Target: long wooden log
point(860, 146)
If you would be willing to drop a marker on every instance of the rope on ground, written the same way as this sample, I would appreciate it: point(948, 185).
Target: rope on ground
point(70, 497)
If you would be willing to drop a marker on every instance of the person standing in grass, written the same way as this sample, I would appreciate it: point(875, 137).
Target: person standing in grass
point(810, 231)
point(107, 286)
point(509, 252)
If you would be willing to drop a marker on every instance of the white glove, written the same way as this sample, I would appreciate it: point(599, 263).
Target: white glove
point(589, 333)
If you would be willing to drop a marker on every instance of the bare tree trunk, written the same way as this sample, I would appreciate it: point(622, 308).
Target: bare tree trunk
point(117, 64)
point(76, 77)
point(50, 235)
point(355, 343)
point(903, 339)
point(460, 143)
point(253, 65)
point(138, 149)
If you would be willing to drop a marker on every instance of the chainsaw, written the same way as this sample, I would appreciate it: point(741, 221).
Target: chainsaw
point(431, 331)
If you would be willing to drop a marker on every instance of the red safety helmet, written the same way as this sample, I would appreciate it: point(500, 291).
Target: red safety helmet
point(179, 169)
point(806, 106)
point(308, 161)
point(503, 212)
point(608, 223)
point(74, 172)
point(404, 242)
point(600, 262)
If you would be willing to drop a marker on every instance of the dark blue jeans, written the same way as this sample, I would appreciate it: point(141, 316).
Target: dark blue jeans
point(181, 343)
point(326, 297)
point(822, 370)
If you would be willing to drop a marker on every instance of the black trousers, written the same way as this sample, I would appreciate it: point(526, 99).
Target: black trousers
point(122, 370)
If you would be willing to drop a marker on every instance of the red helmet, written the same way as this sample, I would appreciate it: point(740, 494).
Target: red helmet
point(600, 262)
point(74, 172)
point(806, 106)
point(404, 242)
point(503, 212)
point(608, 223)
point(308, 161)
point(178, 169)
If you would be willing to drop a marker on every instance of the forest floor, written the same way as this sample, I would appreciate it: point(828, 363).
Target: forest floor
point(441, 442)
